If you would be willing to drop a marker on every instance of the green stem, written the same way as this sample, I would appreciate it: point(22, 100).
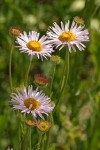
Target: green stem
point(43, 142)
point(10, 61)
point(26, 137)
point(19, 137)
point(27, 72)
point(47, 140)
point(30, 138)
point(48, 133)
point(65, 73)
point(64, 79)
point(40, 141)
point(54, 69)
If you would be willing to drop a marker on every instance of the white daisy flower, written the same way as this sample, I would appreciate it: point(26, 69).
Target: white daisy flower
point(32, 45)
point(73, 36)
point(31, 102)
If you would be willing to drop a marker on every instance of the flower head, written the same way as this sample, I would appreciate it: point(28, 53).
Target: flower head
point(15, 31)
point(73, 36)
point(30, 122)
point(55, 59)
point(31, 102)
point(43, 125)
point(79, 20)
point(32, 45)
point(41, 79)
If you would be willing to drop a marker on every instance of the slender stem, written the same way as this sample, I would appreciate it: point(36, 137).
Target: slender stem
point(29, 138)
point(54, 69)
point(47, 140)
point(40, 141)
point(26, 137)
point(43, 142)
point(10, 61)
point(27, 72)
point(26, 131)
point(66, 72)
point(64, 79)
point(48, 134)
point(19, 136)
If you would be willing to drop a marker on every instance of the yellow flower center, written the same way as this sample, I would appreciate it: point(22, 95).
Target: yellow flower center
point(31, 101)
point(34, 46)
point(43, 125)
point(67, 36)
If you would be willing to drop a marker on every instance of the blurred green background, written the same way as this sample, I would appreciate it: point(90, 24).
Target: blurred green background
point(77, 122)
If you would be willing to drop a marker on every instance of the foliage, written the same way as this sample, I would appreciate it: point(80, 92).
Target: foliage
point(77, 119)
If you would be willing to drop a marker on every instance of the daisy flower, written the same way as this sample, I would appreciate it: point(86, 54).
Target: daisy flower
point(31, 102)
point(73, 36)
point(43, 125)
point(32, 45)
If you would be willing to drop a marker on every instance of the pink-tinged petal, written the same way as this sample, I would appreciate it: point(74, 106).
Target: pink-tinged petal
point(19, 98)
point(76, 34)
